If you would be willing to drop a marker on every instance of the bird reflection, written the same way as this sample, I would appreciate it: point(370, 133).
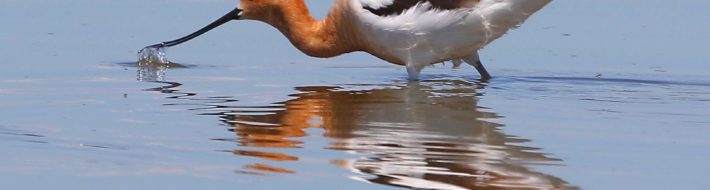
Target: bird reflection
point(428, 135)
point(421, 135)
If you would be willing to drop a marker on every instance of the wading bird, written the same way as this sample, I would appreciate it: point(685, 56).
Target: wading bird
point(412, 33)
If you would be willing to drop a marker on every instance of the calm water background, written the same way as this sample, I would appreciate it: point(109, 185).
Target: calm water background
point(588, 94)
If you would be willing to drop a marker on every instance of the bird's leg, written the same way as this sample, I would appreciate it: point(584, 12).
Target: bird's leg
point(475, 61)
point(413, 70)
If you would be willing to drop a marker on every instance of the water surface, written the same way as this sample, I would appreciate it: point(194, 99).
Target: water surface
point(602, 97)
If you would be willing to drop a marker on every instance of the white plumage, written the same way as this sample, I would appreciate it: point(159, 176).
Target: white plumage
point(423, 35)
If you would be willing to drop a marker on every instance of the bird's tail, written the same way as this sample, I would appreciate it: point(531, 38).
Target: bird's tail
point(501, 15)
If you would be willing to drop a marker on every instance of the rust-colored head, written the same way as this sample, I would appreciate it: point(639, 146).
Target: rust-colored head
point(268, 10)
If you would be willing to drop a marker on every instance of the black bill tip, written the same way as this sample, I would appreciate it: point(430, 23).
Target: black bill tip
point(232, 15)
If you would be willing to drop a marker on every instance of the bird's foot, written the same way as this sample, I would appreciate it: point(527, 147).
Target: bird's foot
point(475, 61)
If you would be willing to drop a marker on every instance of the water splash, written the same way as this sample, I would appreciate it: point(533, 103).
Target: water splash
point(152, 55)
point(152, 72)
point(152, 63)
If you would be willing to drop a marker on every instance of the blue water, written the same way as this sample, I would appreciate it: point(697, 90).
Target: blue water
point(587, 94)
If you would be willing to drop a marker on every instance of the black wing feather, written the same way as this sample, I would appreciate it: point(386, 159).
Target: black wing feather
point(399, 6)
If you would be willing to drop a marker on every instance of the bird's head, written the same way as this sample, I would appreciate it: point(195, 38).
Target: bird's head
point(271, 11)
point(258, 9)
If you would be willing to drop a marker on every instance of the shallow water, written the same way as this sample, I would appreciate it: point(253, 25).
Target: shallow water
point(573, 105)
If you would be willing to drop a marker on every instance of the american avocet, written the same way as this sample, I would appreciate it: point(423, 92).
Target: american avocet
point(412, 33)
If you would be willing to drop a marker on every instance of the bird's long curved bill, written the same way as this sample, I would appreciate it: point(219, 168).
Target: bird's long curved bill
point(232, 15)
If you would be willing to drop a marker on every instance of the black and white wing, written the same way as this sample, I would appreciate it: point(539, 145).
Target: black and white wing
point(396, 7)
